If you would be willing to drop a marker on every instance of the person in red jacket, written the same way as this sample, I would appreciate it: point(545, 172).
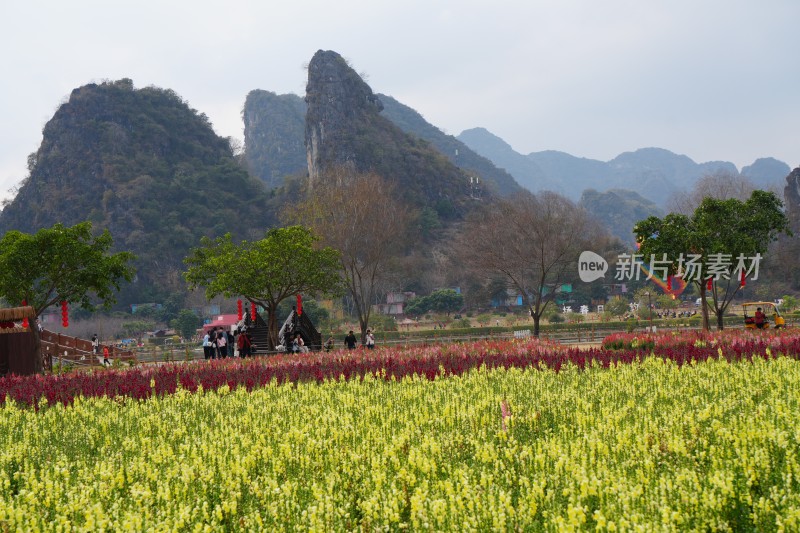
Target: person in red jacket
point(243, 343)
point(106, 362)
point(759, 319)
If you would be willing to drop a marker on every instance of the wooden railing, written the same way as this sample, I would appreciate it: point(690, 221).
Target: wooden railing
point(66, 349)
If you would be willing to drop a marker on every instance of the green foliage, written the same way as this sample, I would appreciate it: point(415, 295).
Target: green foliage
point(61, 263)
point(790, 303)
point(282, 264)
point(716, 227)
point(555, 317)
point(441, 301)
point(186, 323)
point(416, 306)
point(461, 323)
point(616, 306)
point(445, 301)
point(382, 323)
point(172, 307)
point(666, 301)
point(428, 221)
point(136, 328)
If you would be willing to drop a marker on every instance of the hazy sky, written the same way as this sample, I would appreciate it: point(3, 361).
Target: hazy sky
point(711, 79)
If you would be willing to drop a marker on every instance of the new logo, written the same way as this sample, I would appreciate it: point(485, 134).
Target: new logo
point(591, 266)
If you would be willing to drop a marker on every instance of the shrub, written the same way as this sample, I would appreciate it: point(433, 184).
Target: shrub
point(461, 323)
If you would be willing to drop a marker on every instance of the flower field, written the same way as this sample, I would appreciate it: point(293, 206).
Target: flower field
point(691, 433)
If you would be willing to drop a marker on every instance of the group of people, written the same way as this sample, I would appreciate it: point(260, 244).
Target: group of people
point(220, 344)
point(350, 341)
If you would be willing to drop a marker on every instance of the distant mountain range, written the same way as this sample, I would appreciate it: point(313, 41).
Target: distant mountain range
point(143, 164)
point(654, 173)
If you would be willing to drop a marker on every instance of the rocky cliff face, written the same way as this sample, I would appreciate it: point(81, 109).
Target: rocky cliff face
point(274, 130)
point(344, 128)
point(338, 101)
point(791, 196)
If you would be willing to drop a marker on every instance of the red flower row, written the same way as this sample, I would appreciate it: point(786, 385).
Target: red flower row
point(430, 361)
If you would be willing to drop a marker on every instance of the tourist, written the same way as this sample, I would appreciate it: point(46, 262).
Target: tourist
point(760, 318)
point(207, 346)
point(329, 343)
point(230, 342)
point(106, 362)
point(244, 343)
point(212, 343)
point(370, 340)
point(301, 344)
point(350, 341)
point(95, 344)
point(222, 341)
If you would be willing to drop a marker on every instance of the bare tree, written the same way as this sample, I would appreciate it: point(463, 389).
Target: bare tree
point(361, 216)
point(721, 185)
point(532, 242)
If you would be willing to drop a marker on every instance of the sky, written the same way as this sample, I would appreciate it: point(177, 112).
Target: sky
point(716, 80)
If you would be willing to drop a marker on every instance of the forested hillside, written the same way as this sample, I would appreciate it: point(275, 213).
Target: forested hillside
point(143, 164)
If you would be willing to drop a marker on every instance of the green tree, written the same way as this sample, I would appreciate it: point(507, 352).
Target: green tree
point(284, 263)
point(445, 301)
point(736, 229)
point(417, 306)
point(186, 323)
point(616, 306)
point(790, 303)
point(61, 264)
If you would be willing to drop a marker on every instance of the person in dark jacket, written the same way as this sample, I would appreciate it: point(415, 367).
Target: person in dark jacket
point(350, 341)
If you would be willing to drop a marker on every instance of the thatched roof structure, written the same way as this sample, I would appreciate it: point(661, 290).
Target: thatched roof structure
point(17, 313)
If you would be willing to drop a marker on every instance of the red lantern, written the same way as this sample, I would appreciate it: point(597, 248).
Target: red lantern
point(709, 286)
point(742, 283)
point(299, 305)
point(669, 283)
point(64, 314)
point(25, 320)
point(239, 309)
point(253, 311)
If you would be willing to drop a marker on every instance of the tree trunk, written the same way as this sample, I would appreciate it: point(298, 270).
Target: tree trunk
point(720, 319)
point(704, 307)
point(362, 323)
point(272, 327)
point(41, 363)
point(536, 318)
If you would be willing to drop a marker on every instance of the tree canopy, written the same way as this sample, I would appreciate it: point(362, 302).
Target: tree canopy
point(61, 264)
point(284, 263)
point(730, 232)
point(441, 301)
